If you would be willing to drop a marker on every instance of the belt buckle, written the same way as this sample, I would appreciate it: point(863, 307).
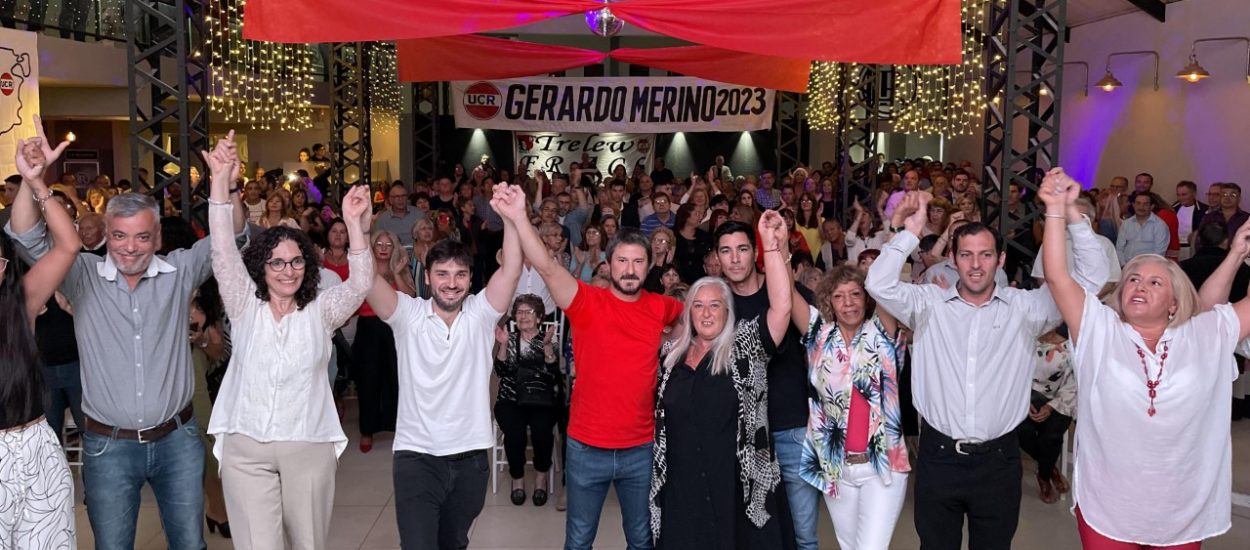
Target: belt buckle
point(959, 446)
point(139, 433)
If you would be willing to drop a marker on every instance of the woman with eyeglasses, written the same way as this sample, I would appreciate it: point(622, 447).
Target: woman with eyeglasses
point(376, 366)
point(276, 430)
point(531, 390)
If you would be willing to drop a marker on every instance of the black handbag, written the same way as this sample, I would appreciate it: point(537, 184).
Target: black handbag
point(533, 389)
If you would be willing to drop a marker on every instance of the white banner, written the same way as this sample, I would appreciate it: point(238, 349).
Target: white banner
point(553, 151)
point(625, 104)
point(19, 93)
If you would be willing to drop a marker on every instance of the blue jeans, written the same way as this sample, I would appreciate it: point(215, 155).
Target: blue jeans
point(589, 473)
point(803, 497)
point(115, 470)
point(64, 388)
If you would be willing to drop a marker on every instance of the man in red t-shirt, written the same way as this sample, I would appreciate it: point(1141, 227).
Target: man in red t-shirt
point(612, 423)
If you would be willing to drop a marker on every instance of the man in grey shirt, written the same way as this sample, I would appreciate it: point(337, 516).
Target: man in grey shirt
point(398, 217)
point(132, 311)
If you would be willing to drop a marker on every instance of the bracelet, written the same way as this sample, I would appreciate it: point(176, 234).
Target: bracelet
point(35, 195)
point(217, 203)
point(1059, 216)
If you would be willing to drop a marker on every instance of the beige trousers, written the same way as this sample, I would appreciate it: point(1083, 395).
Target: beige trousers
point(278, 494)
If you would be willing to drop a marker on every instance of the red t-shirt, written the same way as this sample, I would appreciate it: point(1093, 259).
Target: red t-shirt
point(857, 424)
point(1169, 218)
point(616, 350)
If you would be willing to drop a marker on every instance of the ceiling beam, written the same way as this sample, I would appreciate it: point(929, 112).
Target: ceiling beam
point(1154, 8)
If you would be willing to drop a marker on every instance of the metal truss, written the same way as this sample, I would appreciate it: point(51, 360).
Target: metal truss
point(857, 135)
point(351, 152)
point(428, 103)
point(788, 123)
point(1023, 36)
point(168, 112)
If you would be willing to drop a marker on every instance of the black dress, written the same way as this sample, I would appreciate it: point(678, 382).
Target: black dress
point(689, 255)
point(702, 498)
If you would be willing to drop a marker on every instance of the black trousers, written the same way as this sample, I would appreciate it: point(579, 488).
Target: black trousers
point(983, 487)
point(437, 498)
point(515, 421)
point(1044, 441)
point(376, 372)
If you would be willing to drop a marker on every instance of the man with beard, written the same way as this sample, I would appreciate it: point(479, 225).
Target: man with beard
point(131, 309)
point(787, 375)
point(444, 348)
point(612, 423)
point(972, 373)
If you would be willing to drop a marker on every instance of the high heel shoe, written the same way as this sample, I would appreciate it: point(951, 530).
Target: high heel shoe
point(366, 444)
point(213, 526)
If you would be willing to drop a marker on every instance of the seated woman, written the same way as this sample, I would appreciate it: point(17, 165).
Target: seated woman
point(277, 432)
point(1155, 370)
point(531, 391)
point(1050, 413)
point(854, 451)
point(715, 476)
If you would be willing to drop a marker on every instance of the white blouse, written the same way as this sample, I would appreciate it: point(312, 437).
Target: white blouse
point(1157, 480)
point(275, 387)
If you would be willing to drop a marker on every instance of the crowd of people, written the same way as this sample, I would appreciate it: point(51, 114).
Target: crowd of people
point(726, 352)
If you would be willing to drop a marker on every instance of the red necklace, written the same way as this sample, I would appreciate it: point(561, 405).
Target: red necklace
point(1152, 384)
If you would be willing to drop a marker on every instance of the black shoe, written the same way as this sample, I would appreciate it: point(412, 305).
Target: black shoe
point(518, 496)
point(540, 497)
point(213, 526)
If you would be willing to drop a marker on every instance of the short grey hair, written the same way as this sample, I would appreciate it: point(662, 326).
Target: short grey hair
point(128, 205)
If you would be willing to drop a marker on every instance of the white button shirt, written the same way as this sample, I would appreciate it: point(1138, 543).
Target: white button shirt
point(973, 365)
point(1159, 480)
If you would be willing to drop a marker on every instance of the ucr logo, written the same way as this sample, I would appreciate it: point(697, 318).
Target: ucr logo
point(6, 84)
point(482, 100)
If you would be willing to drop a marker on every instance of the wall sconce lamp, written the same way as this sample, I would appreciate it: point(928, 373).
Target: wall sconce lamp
point(1109, 82)
point(1194, 72)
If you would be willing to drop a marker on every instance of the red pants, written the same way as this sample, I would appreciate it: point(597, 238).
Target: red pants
point(1092, 540)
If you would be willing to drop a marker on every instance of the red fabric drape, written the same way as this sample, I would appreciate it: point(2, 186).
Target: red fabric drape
point(473, 57)
point(864, 31)
point(776, 73)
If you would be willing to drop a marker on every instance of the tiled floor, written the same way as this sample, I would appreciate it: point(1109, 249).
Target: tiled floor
point(364, 513)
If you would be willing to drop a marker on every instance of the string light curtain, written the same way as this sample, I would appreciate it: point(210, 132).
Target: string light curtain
point(264, 84)
point(385, 91)
point(929, 99)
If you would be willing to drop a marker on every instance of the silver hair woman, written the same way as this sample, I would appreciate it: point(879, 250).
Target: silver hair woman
point(1155, 372)
point(712, 440)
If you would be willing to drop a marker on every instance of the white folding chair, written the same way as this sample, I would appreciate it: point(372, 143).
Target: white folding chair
point(71, 437)
point(499, 462)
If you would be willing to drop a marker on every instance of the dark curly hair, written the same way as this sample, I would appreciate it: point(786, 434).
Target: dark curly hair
point(261, 251)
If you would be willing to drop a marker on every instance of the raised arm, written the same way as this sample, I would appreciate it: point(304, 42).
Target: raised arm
point(906, 302)
point(236, 285)
point(1216, 288)
point(559, 281)
point(502, 285)
point(1058, 192)
point(776, 273)
point(46, 274)
point(33, 191)
point(343, 300)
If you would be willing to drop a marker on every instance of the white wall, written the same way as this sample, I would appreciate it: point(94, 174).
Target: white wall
point(1183, 131)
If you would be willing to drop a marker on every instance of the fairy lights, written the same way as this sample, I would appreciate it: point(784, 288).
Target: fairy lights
point(264, 84)
point(384, 89)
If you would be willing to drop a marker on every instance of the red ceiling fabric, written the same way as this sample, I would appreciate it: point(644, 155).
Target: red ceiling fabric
point(863, 31)
point(315, 21)
point(775, 73)
point(479, 57)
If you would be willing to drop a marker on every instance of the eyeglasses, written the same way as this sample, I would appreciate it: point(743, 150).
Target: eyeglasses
point(4, 262)
point(278, 264)
point(520, 312)
point(662, 241)
point(381, 244)
point(1231, 194)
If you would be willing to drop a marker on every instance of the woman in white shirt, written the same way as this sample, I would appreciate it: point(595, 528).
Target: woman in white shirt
point(1155, 372)
point(865, 233)
point(277, 433)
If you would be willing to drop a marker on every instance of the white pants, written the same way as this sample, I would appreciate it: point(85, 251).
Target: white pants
point(279, 494)
point(866, 509)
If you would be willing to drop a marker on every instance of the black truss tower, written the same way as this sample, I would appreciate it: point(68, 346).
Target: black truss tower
point(351, 152)
point(1021, 122)
point(428, 103)
point(788, 122)
point(857, 134)
point(174, 105)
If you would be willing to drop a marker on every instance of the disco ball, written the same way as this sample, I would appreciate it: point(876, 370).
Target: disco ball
point(603, 22)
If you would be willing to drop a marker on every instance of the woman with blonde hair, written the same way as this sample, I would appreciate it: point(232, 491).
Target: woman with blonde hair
point(1155, 369)
point(373, 350)
point(715, 476)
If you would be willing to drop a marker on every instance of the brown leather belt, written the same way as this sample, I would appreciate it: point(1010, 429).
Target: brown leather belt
point(856, 458)
point(145, 435)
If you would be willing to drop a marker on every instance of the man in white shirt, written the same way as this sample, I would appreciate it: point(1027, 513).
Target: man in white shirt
point(1189, 213)
point(444, 345)
point(1112, 260)
point(972, 373)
